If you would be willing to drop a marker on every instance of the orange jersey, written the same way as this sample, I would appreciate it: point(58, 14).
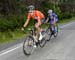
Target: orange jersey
point(36, 15)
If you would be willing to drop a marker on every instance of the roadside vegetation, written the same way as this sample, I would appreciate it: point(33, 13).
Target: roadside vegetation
point(13, 15)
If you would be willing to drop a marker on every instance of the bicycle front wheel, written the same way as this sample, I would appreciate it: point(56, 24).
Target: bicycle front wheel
point(28, 45)
point(49, 35)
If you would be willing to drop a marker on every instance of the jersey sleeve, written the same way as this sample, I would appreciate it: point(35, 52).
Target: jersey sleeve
point(38, 15)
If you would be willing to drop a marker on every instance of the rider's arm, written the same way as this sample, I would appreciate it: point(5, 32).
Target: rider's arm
point(47, 19)
point(26, 23)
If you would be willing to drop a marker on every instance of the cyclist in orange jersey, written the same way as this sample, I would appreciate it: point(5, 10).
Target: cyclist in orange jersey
point(36, 15)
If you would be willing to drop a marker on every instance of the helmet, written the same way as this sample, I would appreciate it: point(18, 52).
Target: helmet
point(31, 7)
point(49, 11)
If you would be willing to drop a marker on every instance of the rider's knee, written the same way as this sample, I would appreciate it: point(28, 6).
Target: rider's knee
point(36, 26)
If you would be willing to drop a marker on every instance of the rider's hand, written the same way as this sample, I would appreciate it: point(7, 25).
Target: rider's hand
point(22, 28)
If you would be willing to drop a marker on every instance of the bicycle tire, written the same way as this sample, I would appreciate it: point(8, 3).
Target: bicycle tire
point(43, 41)
point(48, 31)
point(29, 38)
point(56, 33)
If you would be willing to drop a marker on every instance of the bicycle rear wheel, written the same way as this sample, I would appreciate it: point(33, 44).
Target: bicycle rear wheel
point(56, 32)
point(43, 41)
point(28, 45)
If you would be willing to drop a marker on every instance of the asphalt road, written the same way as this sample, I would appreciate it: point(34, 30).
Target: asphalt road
point(60, 48)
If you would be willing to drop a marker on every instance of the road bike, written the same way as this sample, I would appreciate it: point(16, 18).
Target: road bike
point(28, 45)
point(52, 31)
point(30, 40)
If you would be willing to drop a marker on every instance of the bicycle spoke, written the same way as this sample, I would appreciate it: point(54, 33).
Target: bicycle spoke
point(28, 46)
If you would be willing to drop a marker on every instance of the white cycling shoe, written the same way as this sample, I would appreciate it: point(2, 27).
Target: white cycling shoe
point(40, 37)
point(34, 46)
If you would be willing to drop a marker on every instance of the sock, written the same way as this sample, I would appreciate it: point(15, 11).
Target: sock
point(40, 33)
point(40, 37)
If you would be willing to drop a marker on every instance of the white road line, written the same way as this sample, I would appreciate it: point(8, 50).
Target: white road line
point(20, 45)
point(10, 50)
point(65, 25)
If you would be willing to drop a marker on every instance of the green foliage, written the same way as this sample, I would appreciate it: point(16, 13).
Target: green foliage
point(45, 6)
point(57, 11)
point(65, 16)
point(9, 36)
point(10, 23)
point(7, 23)
point(17, 20)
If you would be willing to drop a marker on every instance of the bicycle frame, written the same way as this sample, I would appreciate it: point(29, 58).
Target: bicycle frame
point(34, 34)
point(33, 31)
point(53, 30)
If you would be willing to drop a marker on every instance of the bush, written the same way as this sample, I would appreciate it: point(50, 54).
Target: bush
point(48, 5)
point(45, 6)
point(65, 16)
point(8, 23)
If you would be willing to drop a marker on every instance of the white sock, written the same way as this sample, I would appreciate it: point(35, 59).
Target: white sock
point(40, 36)
point(40, 33)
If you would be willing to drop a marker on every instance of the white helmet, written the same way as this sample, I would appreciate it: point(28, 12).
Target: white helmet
point(31, 7)
point(49, 11)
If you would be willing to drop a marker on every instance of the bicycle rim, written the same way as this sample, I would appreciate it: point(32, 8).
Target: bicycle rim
point(42, 43)
point(49, 35)
point(56, 33)
point(28, 46)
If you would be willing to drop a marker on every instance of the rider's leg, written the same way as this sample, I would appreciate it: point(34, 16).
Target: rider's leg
point(37, 25)
point(55, 27)
point(37, 34)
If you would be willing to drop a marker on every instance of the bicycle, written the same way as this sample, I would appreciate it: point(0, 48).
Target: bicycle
point(52, 31)
point(28, 45)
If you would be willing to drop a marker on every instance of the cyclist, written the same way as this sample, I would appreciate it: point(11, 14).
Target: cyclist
point(52, 18)
point(37, 16)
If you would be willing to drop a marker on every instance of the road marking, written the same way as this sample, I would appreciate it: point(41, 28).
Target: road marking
point(10, 50)
point(66, 25)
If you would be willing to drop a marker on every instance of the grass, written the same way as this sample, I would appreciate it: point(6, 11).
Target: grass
point(66, 20)
point(9, 36)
